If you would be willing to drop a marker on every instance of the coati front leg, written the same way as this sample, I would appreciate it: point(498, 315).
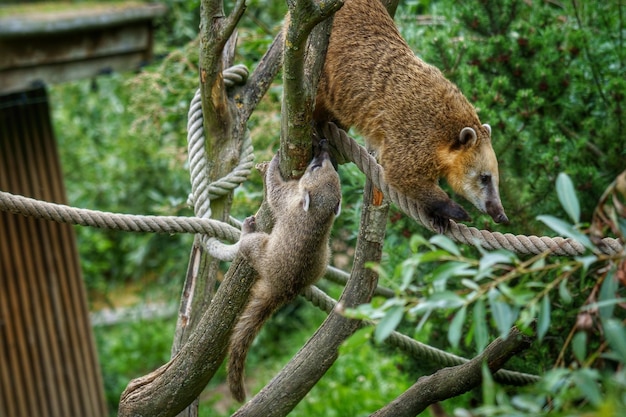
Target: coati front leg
point(439, 207)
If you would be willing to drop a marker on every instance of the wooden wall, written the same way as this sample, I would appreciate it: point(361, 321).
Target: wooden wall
point(48, 364)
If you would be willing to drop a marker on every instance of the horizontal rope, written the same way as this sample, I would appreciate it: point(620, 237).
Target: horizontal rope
point(356, 153)
point(127, 222)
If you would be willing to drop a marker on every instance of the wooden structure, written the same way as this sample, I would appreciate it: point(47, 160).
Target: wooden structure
point(48, 363)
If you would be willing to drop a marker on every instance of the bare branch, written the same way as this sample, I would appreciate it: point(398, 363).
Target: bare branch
point(248, 96)
point(450, 382)
point(215, 30)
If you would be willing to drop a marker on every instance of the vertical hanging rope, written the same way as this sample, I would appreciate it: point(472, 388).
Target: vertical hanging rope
point(201, 190)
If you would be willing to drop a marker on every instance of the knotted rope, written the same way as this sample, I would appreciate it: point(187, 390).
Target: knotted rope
point(202, 192)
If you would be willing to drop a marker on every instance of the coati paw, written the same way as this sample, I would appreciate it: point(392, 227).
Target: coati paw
point(249, 225)
point(441, 213)
point(439, 224)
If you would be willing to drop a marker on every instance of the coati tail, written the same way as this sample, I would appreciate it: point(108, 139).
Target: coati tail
point(255, 314)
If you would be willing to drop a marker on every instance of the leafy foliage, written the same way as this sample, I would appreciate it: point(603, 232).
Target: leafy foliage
point(575, 306)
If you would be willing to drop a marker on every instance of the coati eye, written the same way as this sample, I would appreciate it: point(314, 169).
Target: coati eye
point(485, 179)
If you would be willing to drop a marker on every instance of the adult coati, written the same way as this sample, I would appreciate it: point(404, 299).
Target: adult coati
point(420, 124)
point(293, 256)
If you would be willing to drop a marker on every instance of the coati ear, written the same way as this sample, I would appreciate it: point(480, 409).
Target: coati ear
point(468, 137)
point(306, 200)
point(338, 209)
point(486, 126)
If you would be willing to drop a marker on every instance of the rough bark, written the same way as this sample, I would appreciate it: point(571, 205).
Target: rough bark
point(201, 339)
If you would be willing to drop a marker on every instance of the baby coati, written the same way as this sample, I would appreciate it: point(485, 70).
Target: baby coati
point(293, 256)
point(419, 123)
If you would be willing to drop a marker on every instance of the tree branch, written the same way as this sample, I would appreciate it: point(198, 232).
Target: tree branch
point(450, 382)
point(170, 388)
point(299, 91)
point(201, 339)
point(288, 388)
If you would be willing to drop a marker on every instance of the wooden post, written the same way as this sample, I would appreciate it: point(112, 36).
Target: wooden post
point(48, 364)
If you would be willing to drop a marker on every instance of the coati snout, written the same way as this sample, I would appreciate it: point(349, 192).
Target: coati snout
point(421, 125)
point(478, 182)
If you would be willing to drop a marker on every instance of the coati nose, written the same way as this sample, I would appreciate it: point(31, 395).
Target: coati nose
point(496, 212)
point(501, 218)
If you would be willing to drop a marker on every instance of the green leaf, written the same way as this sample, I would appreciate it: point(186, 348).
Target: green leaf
point(567, 196)
point(480, 326)
point(439, 300)
point(470, 284)
point(501, 313)
point(446, 244)
point(587, 382)
point(456, 326)
point(607, 294)
point(496, 257)
point(544, 317)
point(564, 294)
point(450, 269)
point(616, 336)
point(489, 387)
point(418, 241)
point(579, 346)
point(388, 323)
point(566, 297)
point(565, 229)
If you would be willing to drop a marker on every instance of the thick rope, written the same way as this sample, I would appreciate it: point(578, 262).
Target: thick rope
point(127, 222)
point(416, 349)
point(202, 192)
point(356, 153)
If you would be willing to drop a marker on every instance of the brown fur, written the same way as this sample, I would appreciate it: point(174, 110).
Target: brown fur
point(289, 259)
point(408, 112)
